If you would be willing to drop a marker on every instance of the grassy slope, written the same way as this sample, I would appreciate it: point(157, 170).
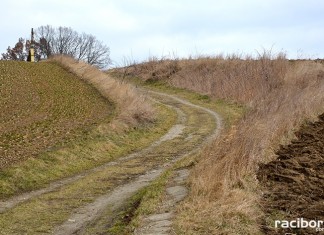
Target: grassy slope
point(43, 106)
point(133, 107)
point(100, 143)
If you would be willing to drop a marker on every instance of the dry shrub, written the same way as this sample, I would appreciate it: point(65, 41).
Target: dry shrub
point(133, 107)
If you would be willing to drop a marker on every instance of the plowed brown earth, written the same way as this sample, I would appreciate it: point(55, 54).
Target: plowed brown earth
point(294, 182)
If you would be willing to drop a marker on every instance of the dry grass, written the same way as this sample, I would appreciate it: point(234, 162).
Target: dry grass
point(280, 94)
point(134, 108)
point(229, 166)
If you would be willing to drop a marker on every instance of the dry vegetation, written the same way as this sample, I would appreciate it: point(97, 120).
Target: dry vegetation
point(134, 108)
point(43, 106)
point(280, 95)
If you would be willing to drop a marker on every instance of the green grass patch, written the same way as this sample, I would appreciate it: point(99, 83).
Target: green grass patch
point(102, 145)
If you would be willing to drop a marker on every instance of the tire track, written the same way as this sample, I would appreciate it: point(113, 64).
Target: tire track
point(77, 223)
point(181, 131)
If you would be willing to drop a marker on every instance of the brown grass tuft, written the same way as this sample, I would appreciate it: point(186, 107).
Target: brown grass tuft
point(133, 107)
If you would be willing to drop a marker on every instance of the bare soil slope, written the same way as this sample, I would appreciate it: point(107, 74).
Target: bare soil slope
point(294, 181)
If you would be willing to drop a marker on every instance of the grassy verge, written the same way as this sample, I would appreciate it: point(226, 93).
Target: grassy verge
point(104, 143)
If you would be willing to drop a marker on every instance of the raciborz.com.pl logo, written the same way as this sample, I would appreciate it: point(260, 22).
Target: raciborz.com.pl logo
point(318, 225)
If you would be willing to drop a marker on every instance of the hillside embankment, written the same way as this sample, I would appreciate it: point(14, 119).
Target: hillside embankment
point(52, 118)
point(279, 96)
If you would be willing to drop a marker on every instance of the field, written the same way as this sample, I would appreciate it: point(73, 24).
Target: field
point(42, 107)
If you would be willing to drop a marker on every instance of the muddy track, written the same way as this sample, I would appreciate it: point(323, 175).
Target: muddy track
point(183, 132)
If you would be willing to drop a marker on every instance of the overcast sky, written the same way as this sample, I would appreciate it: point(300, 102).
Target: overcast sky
point(138, 29)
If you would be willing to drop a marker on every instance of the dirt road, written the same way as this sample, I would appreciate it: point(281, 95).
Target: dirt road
point(69, 205)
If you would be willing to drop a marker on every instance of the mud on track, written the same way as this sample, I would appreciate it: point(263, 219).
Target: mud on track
point(294, 182)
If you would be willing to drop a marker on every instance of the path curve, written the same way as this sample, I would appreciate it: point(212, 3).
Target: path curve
point(80, 218)
point(161, 222)
point(218, 118)
point(77, 223)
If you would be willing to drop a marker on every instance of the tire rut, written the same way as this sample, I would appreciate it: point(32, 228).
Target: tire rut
point(161, 222)
point(158, 223)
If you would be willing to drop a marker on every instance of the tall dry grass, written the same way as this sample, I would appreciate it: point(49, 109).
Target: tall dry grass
point(280, 94)
point(224, 184)
point(132, 106)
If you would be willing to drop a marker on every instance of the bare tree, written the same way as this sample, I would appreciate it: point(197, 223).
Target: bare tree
point(63, 41)
point(98, 54)
point(66, 41)
point(45, 36)
point(85, 41)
